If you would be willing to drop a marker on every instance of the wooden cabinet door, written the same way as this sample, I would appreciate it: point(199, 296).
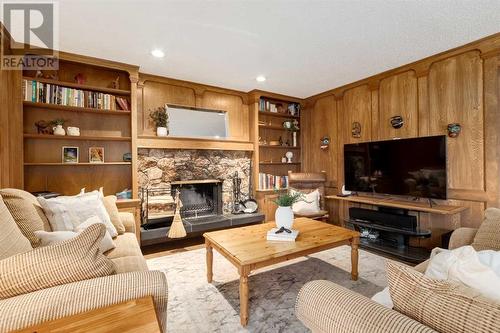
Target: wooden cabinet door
point(456, 96)
point(398, 97)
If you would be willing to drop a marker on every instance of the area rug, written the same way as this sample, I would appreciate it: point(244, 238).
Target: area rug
point(197, 306)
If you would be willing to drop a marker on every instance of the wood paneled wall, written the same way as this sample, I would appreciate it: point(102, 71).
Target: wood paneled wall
point(458, 86)
point(155, 91)
point(11, 123)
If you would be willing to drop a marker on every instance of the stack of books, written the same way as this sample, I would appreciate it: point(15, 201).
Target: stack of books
point(282, 236)
point(41, 92)
point(271, 182)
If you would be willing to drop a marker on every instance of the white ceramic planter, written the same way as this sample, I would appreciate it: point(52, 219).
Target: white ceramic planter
point(284, 217)
point(59, 130)
point(161, 131)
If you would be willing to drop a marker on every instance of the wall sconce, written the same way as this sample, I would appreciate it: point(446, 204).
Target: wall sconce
point(325, 142)
point(454, 130)
point(397, 122)
point(356, 130)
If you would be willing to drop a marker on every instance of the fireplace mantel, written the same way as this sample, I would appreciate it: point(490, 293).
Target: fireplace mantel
point(192, 143)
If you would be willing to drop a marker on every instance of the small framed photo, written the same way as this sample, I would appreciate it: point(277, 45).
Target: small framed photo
point(70, 154)
point(96, 154)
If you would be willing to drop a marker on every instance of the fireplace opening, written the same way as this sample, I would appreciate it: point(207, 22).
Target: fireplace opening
point(200, 198)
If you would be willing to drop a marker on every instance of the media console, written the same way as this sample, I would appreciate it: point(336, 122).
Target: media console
point(389, 228)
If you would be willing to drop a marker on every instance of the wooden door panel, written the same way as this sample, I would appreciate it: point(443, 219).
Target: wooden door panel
point(323, 117)
point(456, 96)
point(357, 108)
point(398, 97)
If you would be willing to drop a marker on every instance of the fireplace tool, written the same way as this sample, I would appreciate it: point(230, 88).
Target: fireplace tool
point(177, 229)
point(238, 206)
point(250, 203)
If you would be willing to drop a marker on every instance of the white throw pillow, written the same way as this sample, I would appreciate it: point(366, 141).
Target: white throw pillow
point(309, 204)
point(49, 238)
point(65, 213)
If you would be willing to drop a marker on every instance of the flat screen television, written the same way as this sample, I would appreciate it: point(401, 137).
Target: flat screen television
point(410, 167)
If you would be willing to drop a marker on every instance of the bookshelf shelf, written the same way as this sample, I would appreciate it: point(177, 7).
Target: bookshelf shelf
point(80, 86)
point(76, 138)
point(277, 115)
point(74, 108)
point(277, 127)
point(278, 163)
point(78, 164)
point(277, 147)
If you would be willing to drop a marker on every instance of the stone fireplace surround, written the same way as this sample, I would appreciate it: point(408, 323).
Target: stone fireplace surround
point(158, 167)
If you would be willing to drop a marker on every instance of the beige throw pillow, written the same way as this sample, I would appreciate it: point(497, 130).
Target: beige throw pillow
point(445, 306)
point(50, 238)
point(12, 241)
point(70, 261)
point(26, 211)
point(309, 205)
point(67, 212)
point(488, 234)
point(114, 215)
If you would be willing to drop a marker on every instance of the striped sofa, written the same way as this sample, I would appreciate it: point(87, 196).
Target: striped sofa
point(324, 306)
point(132, 280)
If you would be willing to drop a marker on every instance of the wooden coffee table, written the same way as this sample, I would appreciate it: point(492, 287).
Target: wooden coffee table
point(248, 249)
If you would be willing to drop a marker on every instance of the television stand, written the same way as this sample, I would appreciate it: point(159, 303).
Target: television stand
point(399, 203)
point(390, 228)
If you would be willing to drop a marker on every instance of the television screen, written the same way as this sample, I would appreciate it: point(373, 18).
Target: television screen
point(413, 167)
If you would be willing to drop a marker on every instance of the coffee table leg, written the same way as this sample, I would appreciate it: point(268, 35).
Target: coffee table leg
point(354, 258)
point(210, 260)
point(243, 298)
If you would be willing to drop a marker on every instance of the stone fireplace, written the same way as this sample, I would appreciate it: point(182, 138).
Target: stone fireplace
point(163, 168)
point(205, 181)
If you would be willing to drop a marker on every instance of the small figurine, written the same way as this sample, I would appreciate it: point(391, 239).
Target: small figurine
point(43, 127)
point(325, 142)
point(80, 78)
point(289, 156)
point(116, 83)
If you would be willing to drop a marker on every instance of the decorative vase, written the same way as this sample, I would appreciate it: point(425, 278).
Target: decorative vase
point(59, 130)
point(161, 131)
point(284, 217)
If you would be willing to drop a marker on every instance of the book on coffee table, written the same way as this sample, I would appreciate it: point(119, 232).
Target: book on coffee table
point(282, 236)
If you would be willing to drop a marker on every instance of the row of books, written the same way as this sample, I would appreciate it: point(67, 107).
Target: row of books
point(270, 182)
point(267, 106)
point(34, 91)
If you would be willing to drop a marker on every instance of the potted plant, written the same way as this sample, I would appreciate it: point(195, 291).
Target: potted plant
point(284, 212)
point(57, 126)
point(160, 119)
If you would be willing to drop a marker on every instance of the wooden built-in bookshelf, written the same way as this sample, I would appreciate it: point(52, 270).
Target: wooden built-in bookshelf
point(112, 128)
point(268, 130)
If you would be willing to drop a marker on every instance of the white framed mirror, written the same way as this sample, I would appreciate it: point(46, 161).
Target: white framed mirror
point(193, 122)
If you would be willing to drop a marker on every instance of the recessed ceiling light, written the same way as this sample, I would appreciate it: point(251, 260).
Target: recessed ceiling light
point(158, 53)
point(260, 78)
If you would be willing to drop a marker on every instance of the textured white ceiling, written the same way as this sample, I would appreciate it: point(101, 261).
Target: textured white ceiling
point(302, 47)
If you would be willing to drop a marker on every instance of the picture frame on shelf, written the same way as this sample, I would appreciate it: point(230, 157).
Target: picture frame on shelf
point(96, 155)
point(70, 155)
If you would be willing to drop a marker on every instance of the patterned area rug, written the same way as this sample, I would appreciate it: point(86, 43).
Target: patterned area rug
point(197, 306)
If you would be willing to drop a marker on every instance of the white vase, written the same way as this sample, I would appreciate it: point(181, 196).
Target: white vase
point(59, 130)
point(284, 217)
point(161, 131)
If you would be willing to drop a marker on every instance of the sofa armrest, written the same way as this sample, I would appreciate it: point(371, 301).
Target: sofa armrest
point(461, 237)
point(128, 221)
point(65, 300)
point(324, 306)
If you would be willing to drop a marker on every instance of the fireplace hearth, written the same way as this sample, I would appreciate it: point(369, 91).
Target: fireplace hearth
point(202, 210)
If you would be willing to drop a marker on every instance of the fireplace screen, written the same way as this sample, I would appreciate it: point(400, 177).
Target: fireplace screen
point(200, 198)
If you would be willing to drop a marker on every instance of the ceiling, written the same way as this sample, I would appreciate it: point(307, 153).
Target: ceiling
point(302, 47)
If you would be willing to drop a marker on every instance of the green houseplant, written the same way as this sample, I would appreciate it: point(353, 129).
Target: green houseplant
point(160, 119)
point(284, 213)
